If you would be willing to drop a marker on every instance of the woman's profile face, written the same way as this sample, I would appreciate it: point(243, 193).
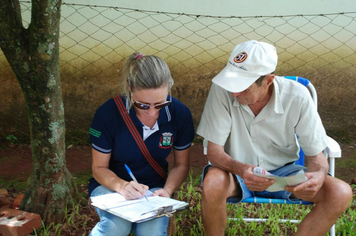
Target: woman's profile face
point(151, 97)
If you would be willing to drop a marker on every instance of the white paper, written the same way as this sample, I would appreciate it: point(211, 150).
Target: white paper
point(280, 182)
point(135, 210)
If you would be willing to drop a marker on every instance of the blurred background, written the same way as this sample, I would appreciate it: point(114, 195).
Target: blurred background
point(314, 39)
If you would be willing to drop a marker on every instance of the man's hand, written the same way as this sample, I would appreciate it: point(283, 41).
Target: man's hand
point(254, 182)
point(317, 171)
point(309, 188)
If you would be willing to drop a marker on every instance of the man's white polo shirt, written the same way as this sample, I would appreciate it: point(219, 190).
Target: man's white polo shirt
point(269, 139)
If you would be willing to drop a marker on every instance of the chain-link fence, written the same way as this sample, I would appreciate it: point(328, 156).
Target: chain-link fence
point(94, 41)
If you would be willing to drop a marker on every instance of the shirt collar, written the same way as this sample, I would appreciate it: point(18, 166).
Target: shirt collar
point(164, 115)
point(276, 97)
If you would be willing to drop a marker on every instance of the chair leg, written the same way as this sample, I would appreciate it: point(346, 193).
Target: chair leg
point(265, 220)
point(332, 231)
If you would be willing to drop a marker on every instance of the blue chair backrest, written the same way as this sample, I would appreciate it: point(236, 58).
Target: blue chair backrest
point(304, 82)
point(300, 161)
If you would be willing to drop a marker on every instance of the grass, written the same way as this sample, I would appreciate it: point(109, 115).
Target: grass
point(347, 162)
point(75, 223)
point(80, 220)
point(16, 184)
point(189, 221)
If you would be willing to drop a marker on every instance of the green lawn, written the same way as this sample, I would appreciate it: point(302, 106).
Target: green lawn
point(189, 221)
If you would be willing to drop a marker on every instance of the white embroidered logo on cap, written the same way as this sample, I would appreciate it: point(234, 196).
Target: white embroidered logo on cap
point(240, 57)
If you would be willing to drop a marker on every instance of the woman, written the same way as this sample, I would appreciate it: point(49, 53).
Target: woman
point(163, 123)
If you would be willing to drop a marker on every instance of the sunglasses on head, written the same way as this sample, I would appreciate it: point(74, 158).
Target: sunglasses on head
point(144, 106)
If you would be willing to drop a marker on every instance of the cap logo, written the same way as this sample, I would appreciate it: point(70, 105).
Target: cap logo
point(240, 57)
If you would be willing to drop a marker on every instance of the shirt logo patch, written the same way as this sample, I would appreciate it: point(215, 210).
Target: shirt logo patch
point(240, 57)
point(166, 140)
point(94, 132)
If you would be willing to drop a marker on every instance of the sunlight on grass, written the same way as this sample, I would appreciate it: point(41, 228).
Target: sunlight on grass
point(189, 221)
point(74, 223)
point(80, 220)
point(346, 223)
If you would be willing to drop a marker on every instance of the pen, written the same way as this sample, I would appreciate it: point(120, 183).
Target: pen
point(133, 177)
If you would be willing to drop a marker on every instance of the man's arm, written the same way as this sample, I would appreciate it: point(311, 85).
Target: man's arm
point(219, 158)
point(317, 163)
point(318, 168)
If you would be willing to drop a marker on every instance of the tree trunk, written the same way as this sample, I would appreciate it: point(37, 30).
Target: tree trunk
point(33, 55)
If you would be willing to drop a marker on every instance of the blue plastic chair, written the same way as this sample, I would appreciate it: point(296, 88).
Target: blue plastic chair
point(331, 152)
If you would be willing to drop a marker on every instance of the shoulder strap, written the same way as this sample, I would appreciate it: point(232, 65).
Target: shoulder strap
point(125, 115)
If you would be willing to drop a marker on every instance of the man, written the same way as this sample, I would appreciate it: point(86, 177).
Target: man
point(251, 118)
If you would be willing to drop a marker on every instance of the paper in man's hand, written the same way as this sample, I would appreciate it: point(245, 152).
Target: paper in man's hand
point(280, 182)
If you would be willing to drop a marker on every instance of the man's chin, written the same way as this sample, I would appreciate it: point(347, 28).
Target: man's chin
point(242, 102)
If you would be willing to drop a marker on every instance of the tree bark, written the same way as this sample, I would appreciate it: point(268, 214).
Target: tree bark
point(33, 55)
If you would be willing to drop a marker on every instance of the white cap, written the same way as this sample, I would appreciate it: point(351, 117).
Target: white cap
point(248, 61)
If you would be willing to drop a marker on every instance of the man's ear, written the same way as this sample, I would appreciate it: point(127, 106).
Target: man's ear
point(269, 79)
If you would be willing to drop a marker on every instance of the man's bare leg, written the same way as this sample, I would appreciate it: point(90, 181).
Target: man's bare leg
point(331, 201)
point(217, 187)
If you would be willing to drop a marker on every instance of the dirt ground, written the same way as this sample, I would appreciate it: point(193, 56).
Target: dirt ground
point(16, 162)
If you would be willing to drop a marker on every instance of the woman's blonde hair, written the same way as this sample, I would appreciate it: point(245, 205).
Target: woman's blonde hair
point(144, 72)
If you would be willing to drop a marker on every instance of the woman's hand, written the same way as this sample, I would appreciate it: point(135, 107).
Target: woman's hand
point(161, 192)
point(133, 190)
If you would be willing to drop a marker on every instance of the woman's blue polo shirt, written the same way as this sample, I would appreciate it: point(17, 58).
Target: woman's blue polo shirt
point(109, 134)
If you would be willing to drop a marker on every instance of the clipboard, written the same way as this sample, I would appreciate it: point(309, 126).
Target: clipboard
point(166, 211)
point(138, 210)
